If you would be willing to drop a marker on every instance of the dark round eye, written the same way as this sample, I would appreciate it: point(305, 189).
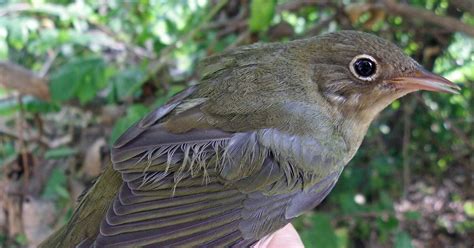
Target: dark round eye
point(364, 67)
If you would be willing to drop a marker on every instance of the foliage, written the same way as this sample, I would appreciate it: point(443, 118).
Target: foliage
point(110, 62)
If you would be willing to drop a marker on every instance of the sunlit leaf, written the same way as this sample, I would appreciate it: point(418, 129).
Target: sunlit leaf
point(261, 14)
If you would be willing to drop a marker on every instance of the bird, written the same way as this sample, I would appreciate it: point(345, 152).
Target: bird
point(260, 139)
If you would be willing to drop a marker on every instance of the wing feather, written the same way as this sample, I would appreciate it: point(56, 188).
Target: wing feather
point(205, 186)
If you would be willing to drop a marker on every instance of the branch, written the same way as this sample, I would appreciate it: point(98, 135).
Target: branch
point(35, 138)
point(427, 16)
point(296, 5)
point(137, 50)
point(15, 77)
point(315, 30)
point(465, 5)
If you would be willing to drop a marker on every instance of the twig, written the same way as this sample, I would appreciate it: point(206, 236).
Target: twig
point(296, 5)
point(23, 80)
point(226, 22)
point(41, 175)
point(407, 112)
point(240, 39)
point(43, 141)
point(365, 215)
point(22, 145)
point(138, 51)
point(318, 27)
point(40, 127)
point(234, 27)
point(466, 5)
point(447, 22)
point(47, 65)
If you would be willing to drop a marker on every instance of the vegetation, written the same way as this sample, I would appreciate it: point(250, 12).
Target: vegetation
point(99, 66)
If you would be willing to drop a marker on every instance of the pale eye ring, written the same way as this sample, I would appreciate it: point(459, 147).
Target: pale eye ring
point(364, 67)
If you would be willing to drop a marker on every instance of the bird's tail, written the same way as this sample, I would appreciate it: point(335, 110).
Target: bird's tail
point(85, 221)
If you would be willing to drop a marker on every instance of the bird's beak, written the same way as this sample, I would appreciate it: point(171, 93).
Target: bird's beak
point(425, 80)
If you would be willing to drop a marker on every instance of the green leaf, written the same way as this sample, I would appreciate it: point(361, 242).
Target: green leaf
point(403, 240)
point(81, 78)
point(38, 106)
point(469, 208)
point(386, 226)
point(261, 14)
point(322, 234)
point(413, 215)
point(342, 237)
point(126, 82)
point(56, 185)
point(21, 239)
point(59, 153)
point(347, 203)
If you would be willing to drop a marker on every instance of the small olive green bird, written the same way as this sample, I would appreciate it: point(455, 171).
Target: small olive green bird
point(261, 139)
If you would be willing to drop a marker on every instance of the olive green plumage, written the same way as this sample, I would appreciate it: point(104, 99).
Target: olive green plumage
point(261, 139)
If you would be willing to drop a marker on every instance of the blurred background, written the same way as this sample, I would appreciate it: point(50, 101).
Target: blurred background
point(75, 74)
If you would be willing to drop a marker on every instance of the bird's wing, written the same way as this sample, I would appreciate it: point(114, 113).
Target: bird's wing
point(202, 186)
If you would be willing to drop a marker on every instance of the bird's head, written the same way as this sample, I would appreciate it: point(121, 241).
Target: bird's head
point(362, 73)
point(342, 79)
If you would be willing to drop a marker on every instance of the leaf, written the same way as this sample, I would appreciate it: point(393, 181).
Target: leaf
point(38, 106)
point(126, 82)
point(59, 152)
point(56, 185)
point(347, 203)
point(31, 104)
point(386, 226)
point(261, 14)
point(403, 240)
point(342, 237)
point(469, 208)
point(19, 30)
point(322, 234)
point(412, 215)
point(81, 78)
point(21, 239)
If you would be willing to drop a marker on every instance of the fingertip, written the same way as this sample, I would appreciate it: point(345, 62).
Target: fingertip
point(285, 237)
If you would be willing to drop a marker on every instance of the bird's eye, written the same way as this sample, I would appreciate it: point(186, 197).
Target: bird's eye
point(364, 67)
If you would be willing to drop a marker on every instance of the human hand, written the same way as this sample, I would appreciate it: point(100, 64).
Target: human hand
point(287, 237)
